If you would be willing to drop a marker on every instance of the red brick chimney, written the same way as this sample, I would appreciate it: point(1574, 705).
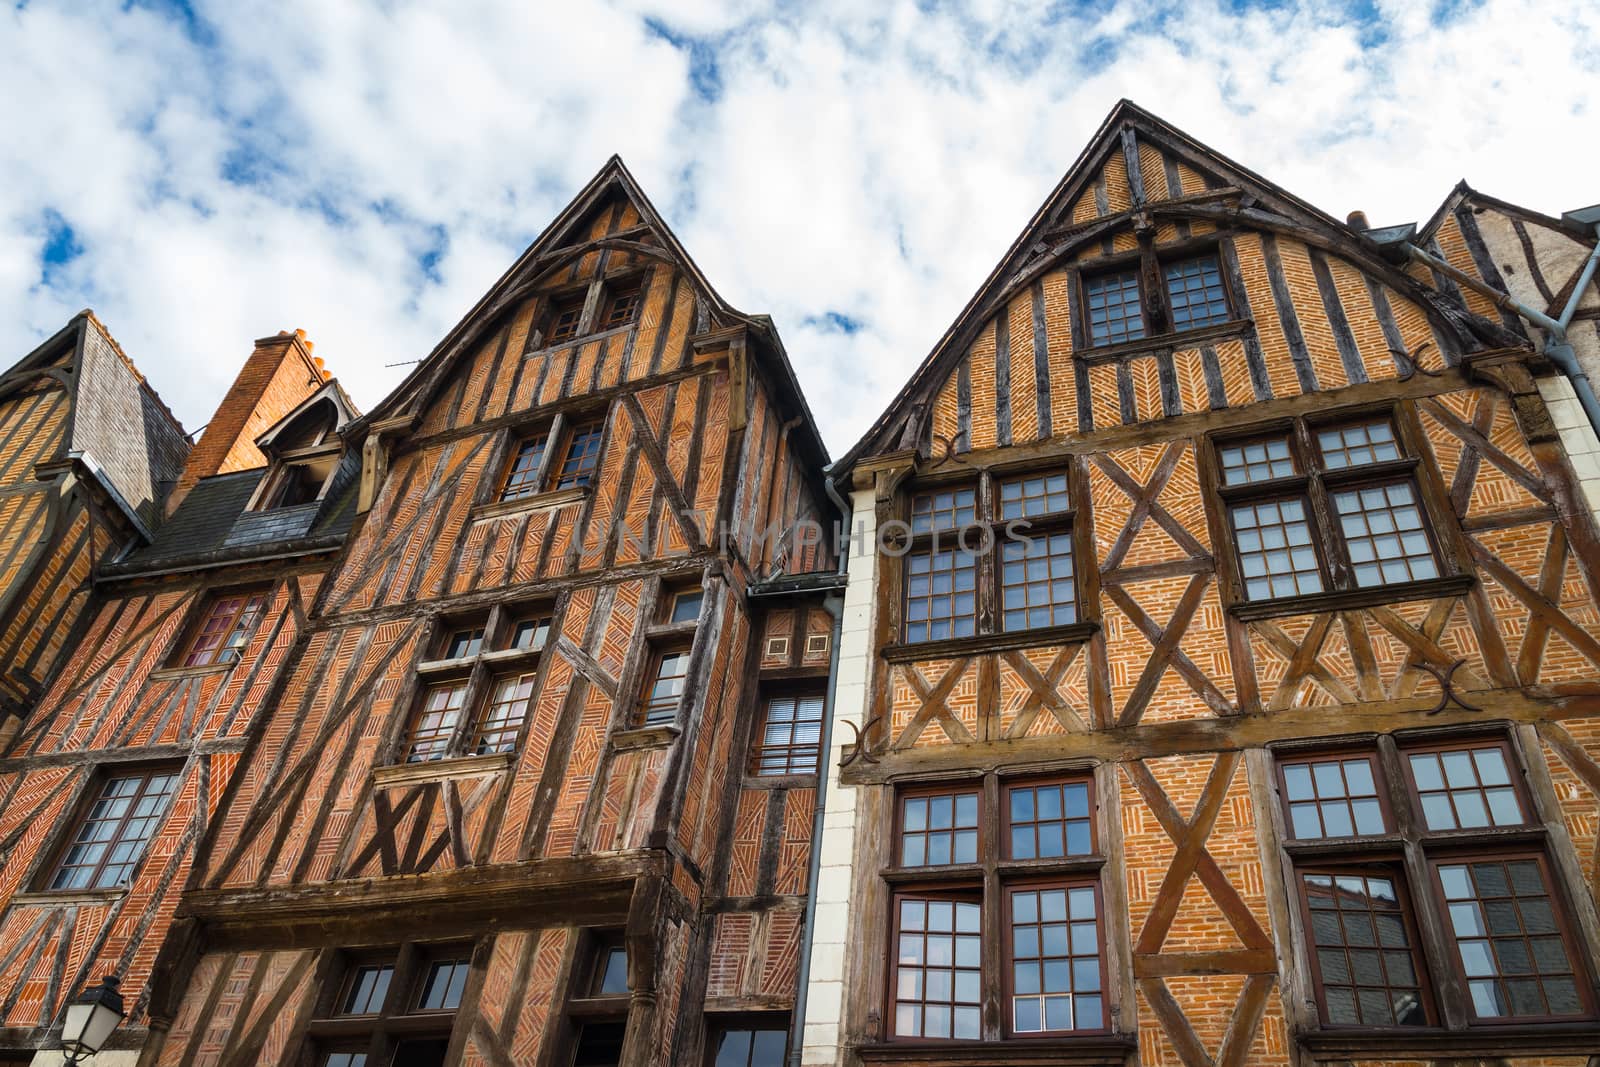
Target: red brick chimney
point(279, 374)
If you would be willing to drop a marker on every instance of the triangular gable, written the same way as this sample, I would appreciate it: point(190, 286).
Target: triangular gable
point(1138, 170)
point(564, 242)
point(332, 393)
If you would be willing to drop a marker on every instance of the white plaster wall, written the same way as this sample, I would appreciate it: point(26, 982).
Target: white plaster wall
point(1577, 437)
point(125, 1058)
point(1559, 256)
point(825, 991)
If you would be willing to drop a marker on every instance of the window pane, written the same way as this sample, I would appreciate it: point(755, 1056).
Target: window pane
point(530, 635)
point(1358, 444)
point(367, 988)
point(751, 1048)
point(583, 452)
point(1256, 461)
point(941, 594)
point(502, 716)
point(1465, 789)
point(1276, 557)
point(1333, 798)
point(1049, 821)
point(1055, 960)
point(791, 740)
point(1383, 531)
point(345, 1059)
point(613, 972)
point(1194, 289)
point(686, 606)
point(1040, 494)
point(1362, 950)
point(112, 837)
point(1037, 584)
point(1115, 313)
point(442, 985)
point(937, 969)
point(564, 319)
point(622, 307)
point(462, 643)
point(522, 475)
point(944, 509)
point(666, 690)
point(227, 627)
point(436, 722)
point(1507, 941)
point(939, 830)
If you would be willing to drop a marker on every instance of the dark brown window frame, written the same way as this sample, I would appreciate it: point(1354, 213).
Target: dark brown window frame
point(89, 796)
point(761, 753)
point(558, 304)
point(1324, 755)
point(656, 653)
point(719, 1024)
point(398, 1019)
point(990, 529)
point(480, 674)
point(988, 882)
point(1149, 263)
point(614, 289)
point(1316, 485)
point(1412, 850)
point(558, 433)
point(185, 649)
point(1008, 955)
point(1032, 781)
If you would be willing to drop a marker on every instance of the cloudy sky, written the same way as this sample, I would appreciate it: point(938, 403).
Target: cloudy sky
point(205, 173)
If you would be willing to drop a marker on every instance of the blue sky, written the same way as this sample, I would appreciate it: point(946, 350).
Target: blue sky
point(204, 173)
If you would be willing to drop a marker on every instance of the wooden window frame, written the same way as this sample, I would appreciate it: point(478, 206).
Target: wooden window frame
point(1392, 866)
point(558, 432)
point(480, 674)
point(1008, 956)
point(1033, 782)
point(91, 794)
point(989, 881)
point(614, 289)
point(1316, 485)
point(989, 535)
point(721, 1024)
point(557, 473)
point(398, 1018)
point(1149, 263)
point(532, 483)
point(656, 653)
point(1327, 755)
point(185, 650)
point(1412, 853)
point(583, 1007)
point(556, 305)
point(1513, 771)
point(954, 892)
point(758, 746)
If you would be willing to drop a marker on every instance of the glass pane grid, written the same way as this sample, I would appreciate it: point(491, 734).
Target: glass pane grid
point(792, 738)
point(367, 989)
point(1357, 445)
point(1256, 461)
point(1276, 556)
point(1115, 313)
point(941, 595)
point(1507, 940)
point(113, 836)
point(944, 509)
point(1043, 494)
point(1333, 798)
point(666, 691)
point(937, 988)
point(564, 318)
point(1049, 821)
point(464, 643)
point(227, 628)
point(436, 723)
point(1466, 789)
point(939, 830)
point(503, 715)
point(521, 478)
point(686, 607)
point(622, 309)
point(1055, 961)
point(1383, 531)
point(530, 635)
point(1037, 584)
point(1194, 289)
point(583, 452)
point(1363, 951)
point(443, 985)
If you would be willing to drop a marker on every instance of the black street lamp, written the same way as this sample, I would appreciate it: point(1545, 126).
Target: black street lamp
point(91, 1018)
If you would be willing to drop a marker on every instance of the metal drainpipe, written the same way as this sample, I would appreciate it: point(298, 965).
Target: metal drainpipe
point(1557, 349)
point(835, 607)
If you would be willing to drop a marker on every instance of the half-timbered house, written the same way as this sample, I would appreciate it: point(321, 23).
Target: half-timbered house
point(539, 784)
point(109, 782)
point(1220, 669)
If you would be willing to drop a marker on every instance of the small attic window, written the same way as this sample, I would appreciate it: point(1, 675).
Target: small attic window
point(293, 484)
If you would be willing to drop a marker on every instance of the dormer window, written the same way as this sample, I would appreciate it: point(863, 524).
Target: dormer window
point(291, 484)
point(304, 450)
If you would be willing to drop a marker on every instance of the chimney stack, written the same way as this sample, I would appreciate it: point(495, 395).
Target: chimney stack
point(279, 374)
point(1357, 220)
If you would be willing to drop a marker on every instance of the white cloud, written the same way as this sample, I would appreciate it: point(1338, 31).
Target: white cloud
point(291, 164)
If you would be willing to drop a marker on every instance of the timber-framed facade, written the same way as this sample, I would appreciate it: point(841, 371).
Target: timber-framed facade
point(1221, 667)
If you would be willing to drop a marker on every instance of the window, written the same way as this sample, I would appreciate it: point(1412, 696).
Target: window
point(563, 318)
point(229, 621)
point(1363, 914)
point(1115, 310)
point(112, 835)
point(622, 304)
point(665, 687)
point(396, 1008)
point(1316, 508)
point(749, 1046)
point(791, 736)
point(1038, 856)
point(965, 566)
point(577, 464)
point(293, 484)
point(610, 972)
point(685, 607)
point(522, 477)
point(474, 699)
point(597, 1008)
point(536, 467)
